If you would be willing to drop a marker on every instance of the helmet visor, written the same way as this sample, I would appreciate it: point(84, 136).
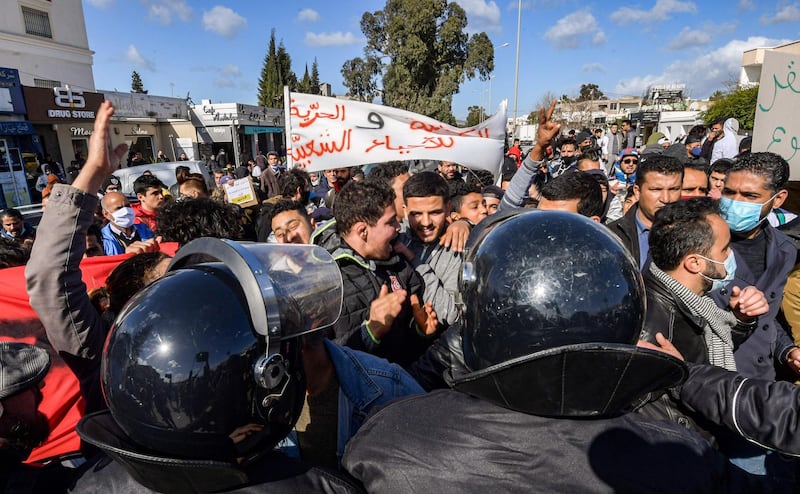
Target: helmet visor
point(290, 289)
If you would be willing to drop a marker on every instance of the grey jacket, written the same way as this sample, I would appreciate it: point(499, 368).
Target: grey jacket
point(439, 268)
point(58, 294)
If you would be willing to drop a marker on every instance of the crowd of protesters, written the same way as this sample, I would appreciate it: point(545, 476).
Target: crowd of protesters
point(697, 221)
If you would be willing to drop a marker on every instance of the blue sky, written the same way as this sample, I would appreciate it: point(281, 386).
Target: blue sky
point(214, 49)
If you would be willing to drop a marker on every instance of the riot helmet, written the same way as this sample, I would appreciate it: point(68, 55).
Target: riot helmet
point(204, 363)
point(553, 308)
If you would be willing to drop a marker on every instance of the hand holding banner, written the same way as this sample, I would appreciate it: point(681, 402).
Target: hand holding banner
point(330, 133)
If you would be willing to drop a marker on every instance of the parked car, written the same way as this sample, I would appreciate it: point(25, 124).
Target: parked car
point(164, 171)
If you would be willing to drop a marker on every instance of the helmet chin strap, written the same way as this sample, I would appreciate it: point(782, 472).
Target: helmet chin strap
point(271, 373)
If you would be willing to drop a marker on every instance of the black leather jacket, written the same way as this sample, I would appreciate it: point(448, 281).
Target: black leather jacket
point(764, 412)
point(463, 444)
point(668, 315)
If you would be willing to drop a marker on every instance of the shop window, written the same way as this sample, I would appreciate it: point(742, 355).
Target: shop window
point(143, 144)
point(46, 83)
point(80, 146)
point(37, 22)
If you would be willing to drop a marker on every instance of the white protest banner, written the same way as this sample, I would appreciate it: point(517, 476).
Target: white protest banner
point(331, 133)
point(241, 193)
point(777, 128)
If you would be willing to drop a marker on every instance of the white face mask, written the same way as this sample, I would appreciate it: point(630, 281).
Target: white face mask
point(124, 217)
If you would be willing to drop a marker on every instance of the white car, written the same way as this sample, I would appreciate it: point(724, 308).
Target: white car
point(164, 171)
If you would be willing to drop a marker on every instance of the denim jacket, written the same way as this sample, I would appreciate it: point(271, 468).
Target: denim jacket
point(365, 381)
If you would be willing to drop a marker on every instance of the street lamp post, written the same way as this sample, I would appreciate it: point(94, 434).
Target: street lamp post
point(490, 94)
point(516, 70)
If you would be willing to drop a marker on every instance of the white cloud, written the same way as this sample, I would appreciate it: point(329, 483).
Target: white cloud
point(231, 69)
point(745, 5)
point(332, 39)
point(660, 12)
point(162, 11)
point(135, 58)
point(223, 21)
point(100, 4)
point(481, 15)
point(567, 32)
point(593, 67)
point(599, 38)
point(789, 13)
point(224, 82)
point(689, 38)
point(702, 75)
point(308, 15)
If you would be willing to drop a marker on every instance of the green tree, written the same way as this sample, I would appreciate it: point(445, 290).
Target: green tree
point(358, 75)
point(315, 82)
point(422, 55)
point(740, 103)
point(288, 78)
point(268, 82)
point(276, 72)
point(136, 83)
point(475, 115)
point(304, 85)
point(589, 92)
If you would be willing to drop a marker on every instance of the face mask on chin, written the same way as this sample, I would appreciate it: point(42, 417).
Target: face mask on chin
point(730, 272)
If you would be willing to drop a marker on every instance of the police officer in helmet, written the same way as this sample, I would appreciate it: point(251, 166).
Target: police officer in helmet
point(203, 376)
point(553, 308)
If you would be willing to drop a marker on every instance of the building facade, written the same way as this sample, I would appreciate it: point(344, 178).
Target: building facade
point(242, 131)
point(46, 42)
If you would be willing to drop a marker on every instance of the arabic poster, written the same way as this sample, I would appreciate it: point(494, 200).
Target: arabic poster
point(330, 133)
point(777, 128)
point(241, 193)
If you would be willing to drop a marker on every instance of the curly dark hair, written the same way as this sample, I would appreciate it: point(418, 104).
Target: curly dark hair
point(12, 253)
point(426, 184)
point(576, 185)
point(130, 276)
point(185, 221)
point(361, 201)
point(458, 190)
point(144, 182)
point(293, 179)
point(658, 163)
point(682, 228)
point(769, 166)
point(388, 171)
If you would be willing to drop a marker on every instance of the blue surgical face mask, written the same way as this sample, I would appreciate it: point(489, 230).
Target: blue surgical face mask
point(696, 152)
point(742, 216)
point(730, 271)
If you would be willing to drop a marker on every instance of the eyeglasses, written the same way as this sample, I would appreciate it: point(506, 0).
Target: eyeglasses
point(629, 161)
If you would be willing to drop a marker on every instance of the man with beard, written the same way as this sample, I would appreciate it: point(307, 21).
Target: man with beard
point(449, 171)
point(339, 177)
point(691, 253)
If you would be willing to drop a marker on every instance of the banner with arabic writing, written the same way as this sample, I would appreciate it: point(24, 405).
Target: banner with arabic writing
point(331, 133)
point(777, 128)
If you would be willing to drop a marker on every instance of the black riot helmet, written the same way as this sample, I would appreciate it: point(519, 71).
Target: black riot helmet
point(553, 306)
point(205, 362)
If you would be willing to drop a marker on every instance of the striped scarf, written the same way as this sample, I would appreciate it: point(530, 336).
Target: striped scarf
point(717, 330)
